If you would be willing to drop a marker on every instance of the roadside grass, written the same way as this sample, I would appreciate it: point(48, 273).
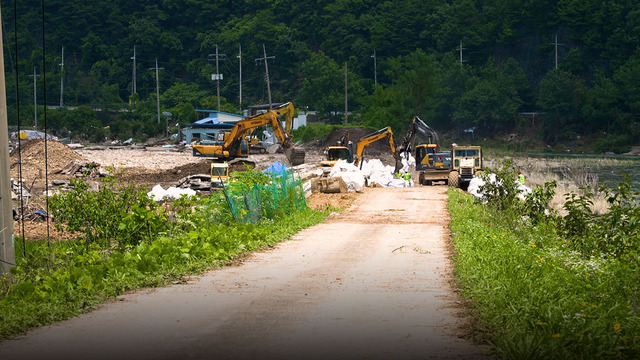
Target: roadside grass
point(58, 280)
point(540, 298)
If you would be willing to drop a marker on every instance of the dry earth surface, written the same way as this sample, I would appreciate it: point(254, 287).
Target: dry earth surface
point(371, 282)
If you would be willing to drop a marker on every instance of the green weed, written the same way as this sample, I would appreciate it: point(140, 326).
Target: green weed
point(540, 294)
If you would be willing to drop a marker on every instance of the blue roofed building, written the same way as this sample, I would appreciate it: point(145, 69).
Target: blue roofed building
point(207, 129)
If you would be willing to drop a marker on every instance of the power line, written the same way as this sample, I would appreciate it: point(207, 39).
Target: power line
point(266, 68)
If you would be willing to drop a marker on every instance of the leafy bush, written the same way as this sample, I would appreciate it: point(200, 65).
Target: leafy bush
point(613, 143)
point(154, 245)
point(124, 214)
point(615, 232)
point(536, 298)
point(501, 193)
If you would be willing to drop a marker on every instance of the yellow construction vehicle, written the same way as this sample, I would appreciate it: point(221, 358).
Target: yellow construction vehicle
point(371, 138)
point(233, 144)
point(219, 174)
point(455, 168)
point(344, 150)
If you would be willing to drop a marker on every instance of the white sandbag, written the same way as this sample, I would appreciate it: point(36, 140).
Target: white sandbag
point(408, 162)
point(476, 183)
point(354, 180)
point(157, 193)
point(397, 183)
point(350, 173)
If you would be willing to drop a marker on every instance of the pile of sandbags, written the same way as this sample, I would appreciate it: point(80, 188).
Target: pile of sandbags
point(477, 182)
point(158, 193)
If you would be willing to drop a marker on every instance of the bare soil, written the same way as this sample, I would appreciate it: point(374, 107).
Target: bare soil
point(371, 282)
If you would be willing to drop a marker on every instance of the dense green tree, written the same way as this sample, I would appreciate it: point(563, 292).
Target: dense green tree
point(308, 43)
point(561, 97)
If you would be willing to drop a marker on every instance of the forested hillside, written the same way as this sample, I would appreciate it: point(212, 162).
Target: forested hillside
point(457, 64)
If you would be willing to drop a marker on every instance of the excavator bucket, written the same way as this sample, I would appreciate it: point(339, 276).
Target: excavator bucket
point(295, 155)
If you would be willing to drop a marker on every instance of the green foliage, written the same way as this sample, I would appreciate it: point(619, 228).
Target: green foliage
point(613, 143)
point(487, 62)
point(536, 203)
point(536, 298)
point(501, 193)
point(59, 280)
point(614, 233)
point(124, 214)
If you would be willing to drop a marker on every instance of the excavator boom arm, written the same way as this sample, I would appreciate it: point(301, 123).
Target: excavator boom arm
point(373, 137)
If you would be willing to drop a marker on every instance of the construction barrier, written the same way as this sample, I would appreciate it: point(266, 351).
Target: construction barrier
point(283, 195)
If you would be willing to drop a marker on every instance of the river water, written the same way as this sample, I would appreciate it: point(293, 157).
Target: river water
point(610, 169)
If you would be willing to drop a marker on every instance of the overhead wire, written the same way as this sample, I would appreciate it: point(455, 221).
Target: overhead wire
point(46, 154)
point(15, 37)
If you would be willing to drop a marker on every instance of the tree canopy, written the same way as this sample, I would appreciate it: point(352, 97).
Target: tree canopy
point(456, 64)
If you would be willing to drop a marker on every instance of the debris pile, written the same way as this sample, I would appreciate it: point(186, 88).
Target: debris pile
point(79, 168)
point(197, 182)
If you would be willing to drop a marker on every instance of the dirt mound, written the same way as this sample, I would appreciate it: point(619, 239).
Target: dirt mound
point(166, 178)
point(355, 133)
point(32, 155)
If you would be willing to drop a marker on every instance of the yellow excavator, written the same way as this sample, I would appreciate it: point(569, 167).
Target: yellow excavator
point(232, 145)
point(344, 150)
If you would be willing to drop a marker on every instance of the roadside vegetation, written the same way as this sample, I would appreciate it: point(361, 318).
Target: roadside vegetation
point(545, 285)
point(128, 241)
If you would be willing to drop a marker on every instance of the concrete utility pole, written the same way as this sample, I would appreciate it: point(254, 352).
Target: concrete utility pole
point(62, 80)
point(134, 87)
point(35, 100)
point(345, 93)
point(157, 88)
point(375, 70)
point(240, 66)
point(266, 69)
point(556, 46)
point(461, 48)
point(217, 76)
point(7, 249)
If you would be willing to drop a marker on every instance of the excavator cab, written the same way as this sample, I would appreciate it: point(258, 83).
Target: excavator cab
point(219, 175)
point(429, 156)
point(339, 153)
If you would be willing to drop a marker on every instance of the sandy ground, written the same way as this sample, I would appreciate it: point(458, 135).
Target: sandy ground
point(372, 282)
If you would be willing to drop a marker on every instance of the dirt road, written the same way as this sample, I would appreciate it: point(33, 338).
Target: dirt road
point(372, 282)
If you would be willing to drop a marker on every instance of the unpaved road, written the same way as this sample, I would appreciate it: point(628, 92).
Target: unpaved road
point(373, 282)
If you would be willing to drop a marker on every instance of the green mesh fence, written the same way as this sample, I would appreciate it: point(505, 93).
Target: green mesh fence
point(283, 195)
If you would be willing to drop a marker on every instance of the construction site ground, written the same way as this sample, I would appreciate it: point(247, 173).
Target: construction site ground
point(373, 281)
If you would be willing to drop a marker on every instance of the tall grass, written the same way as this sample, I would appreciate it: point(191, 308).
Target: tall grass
point(539, 297)
point(572, 175)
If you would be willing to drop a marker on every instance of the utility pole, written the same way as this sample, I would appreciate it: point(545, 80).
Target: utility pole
point(35, 100)
point(556, 46)
point(345, 93)
point(375, 70)
point(217, 76)
point(218, 82)
point(157, 89)
point(134, 87)
point(62, 79)
point(240, 66)
point(266, 69)
point(7, 249)
point(461, 48)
